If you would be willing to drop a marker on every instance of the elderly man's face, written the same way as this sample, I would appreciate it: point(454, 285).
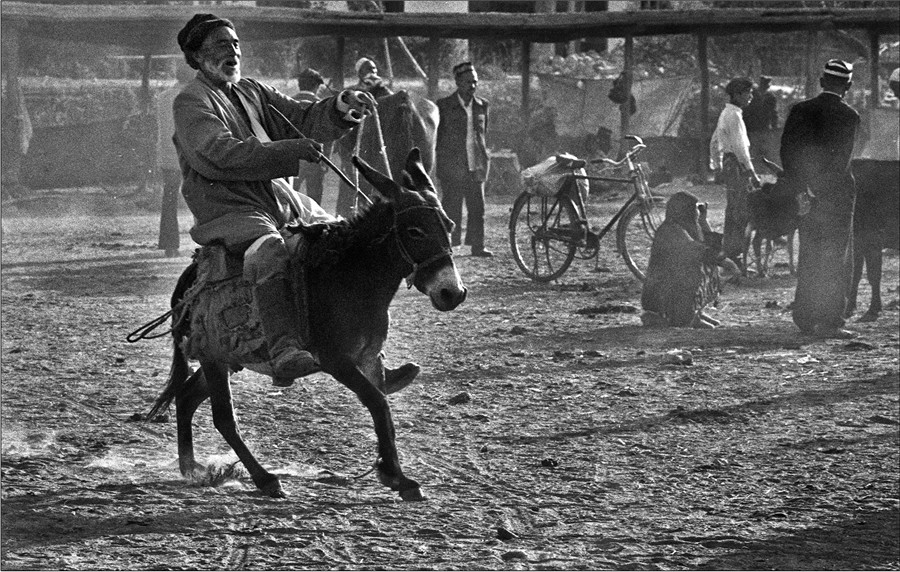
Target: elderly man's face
point(220, 56)
point(467, 83)
point(366, 69)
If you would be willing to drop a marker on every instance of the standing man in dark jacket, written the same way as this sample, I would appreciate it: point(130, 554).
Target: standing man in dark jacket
point(462, 158)
point(761, 119)
point(815, 152)
point(235, 154)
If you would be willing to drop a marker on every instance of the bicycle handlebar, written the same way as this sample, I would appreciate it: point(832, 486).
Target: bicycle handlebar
point(630, 155)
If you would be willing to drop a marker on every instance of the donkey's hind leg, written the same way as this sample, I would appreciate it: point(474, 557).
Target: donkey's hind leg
point(223, 418)
point(193, 393)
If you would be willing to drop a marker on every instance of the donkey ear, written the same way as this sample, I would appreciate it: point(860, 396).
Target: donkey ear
point(382, 184)
point(416, 171)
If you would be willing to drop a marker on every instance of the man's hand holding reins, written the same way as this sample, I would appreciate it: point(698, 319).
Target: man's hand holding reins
point(309, 150)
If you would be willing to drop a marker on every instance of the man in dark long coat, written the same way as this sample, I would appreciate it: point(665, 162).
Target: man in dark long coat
point(815, 152)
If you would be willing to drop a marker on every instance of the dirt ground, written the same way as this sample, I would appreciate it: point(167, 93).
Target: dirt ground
point(547, 429)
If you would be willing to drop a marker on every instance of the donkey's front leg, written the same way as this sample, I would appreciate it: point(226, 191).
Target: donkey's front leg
point(389, 472)
point(223, 418)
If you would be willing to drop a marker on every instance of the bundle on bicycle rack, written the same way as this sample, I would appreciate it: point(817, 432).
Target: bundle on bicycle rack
point(547, 177)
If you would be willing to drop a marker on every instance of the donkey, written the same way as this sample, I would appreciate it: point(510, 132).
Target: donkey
point(404, 121)
point(353, 270)
point(775, 211)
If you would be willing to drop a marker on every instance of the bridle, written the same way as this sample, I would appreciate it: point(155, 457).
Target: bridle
point(445, 252)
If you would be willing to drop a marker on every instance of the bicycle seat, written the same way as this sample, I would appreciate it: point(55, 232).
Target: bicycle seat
point(570, 161)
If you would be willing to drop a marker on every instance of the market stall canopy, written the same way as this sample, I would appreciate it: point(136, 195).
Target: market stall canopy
point(152, 28)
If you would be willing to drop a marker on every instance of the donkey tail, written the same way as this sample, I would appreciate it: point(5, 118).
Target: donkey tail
point(180, 371)
point(178, 375)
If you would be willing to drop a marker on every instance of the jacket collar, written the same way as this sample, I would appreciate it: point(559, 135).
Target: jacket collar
point(475, 99)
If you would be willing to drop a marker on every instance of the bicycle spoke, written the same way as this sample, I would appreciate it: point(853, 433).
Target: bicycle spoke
point(541, 235)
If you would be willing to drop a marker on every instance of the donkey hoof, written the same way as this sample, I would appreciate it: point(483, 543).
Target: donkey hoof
point(411, 495)
point(271, 486)
point(397, 379)
point(191, 468)
point(274, 490)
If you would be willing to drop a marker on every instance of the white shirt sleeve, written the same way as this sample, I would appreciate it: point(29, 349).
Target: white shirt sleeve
point(470, 134)
point(730, 136)
point(740, 145)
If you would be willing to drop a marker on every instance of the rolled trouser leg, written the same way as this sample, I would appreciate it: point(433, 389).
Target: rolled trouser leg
point(265, 265)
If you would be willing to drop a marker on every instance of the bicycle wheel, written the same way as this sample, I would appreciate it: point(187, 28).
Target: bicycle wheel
point(635, 232)
point(543, 235)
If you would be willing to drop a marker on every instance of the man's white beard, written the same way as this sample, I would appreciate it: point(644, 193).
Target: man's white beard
point(216, 73)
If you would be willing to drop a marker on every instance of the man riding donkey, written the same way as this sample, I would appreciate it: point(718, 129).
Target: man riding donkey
point(235, 152)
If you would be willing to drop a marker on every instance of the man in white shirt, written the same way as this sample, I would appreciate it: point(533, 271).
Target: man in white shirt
point(729, 152)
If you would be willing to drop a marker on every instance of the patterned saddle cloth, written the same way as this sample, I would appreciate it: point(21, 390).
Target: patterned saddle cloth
point(224, 324)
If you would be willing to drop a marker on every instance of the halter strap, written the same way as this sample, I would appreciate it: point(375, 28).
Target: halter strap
point(404, 253)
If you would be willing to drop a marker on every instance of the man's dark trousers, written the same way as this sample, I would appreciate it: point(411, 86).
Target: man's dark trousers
point(466, 188)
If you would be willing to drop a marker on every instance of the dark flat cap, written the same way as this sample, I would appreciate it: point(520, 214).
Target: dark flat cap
point(738, 84)
point(191, 37)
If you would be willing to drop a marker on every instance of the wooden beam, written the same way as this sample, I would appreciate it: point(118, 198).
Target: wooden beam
point(625, 108)
point(19, 121)
point(874, 64)
point(412, 59)
point(146, 100)
point(703, 144)
point(388, 66)
point(141, 25)
point(434, 71)
point(337, 78)
point(526, 85)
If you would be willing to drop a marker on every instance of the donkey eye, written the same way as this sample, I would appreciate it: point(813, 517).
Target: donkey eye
point(416, 232)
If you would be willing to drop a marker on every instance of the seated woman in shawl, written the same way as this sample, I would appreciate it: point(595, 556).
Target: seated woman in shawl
point(683, 276)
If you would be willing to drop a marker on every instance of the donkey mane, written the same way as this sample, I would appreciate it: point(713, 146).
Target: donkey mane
point(367, 226)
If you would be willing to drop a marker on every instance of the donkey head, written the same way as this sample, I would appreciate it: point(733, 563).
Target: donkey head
point(422, 231)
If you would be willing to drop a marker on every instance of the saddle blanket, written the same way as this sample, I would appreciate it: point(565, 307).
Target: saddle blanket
point(222, 322)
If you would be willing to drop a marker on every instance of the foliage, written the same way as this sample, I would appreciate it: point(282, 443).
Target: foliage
point(53, 101)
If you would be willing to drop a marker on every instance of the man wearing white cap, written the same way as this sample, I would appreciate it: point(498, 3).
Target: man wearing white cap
point(369, 80)
point(815, 152)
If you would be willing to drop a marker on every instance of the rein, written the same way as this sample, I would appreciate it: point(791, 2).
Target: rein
point(143, 332)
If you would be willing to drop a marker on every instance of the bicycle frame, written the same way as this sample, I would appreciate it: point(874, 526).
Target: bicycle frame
point(640, 192)
point(548, 232)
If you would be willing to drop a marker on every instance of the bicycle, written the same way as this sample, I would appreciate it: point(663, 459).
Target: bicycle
point(547, 232)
